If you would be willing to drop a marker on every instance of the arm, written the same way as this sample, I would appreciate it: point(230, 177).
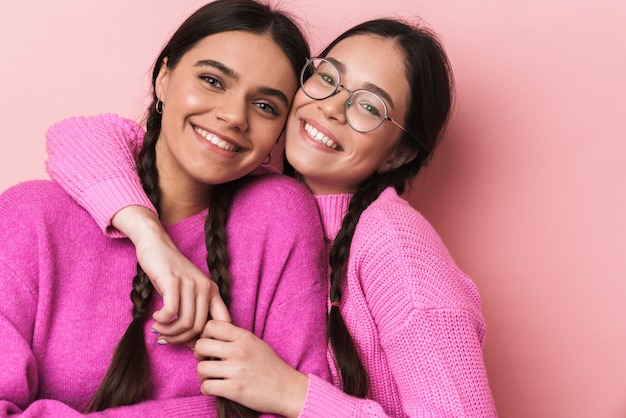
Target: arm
point(94, 160)
point(435, 377)
point(249, 372)
point(417, 320)
point(269, 372)
point(426, 315)
point(187, 293)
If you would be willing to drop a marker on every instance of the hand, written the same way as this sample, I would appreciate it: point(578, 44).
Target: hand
point(249, 372)
point(189, 296)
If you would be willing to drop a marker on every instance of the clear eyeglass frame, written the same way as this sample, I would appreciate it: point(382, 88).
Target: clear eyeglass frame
point(324, 85)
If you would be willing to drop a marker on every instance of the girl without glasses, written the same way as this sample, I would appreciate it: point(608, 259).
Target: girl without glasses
point(405, 325)
point(215, 115)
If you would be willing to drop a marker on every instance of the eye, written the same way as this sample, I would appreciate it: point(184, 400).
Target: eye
point(370, 108)
point(267, 108)
point(211, 81)
point(328, 79)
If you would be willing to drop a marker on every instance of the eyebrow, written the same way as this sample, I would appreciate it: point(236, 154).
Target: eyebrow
point(367, 86)
point(229, 72)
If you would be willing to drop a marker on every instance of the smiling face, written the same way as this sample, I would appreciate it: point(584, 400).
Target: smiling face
point(225, 105)
point(330, 155)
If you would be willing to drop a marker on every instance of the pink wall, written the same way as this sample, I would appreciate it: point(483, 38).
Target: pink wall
point(527, 191)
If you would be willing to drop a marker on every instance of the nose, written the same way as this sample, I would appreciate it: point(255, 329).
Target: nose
point(334, 106)
point(232, 110)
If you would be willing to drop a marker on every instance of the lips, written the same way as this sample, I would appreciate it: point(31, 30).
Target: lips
point(215, 140)
point(320, 137)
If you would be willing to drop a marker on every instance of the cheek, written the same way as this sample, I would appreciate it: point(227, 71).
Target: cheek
point(300, 99)
point(183, 93)
point(192, 99)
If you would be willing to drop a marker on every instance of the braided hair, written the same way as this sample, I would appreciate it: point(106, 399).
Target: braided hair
point(431, 93)
point(128, 379)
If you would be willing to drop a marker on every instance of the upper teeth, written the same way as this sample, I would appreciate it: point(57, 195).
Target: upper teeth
point(319, 137)
point(215, 140)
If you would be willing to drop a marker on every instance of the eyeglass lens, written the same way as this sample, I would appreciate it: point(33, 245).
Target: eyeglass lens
point(364, 110)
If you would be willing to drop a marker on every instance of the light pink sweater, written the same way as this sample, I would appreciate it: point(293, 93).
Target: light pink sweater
point(65, 301)
point(415, 316)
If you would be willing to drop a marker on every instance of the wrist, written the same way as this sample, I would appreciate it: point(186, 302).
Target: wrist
point(295, 394)
point(138, 223)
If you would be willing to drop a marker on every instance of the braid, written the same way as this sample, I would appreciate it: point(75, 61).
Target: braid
point(215, 232)
point(218, 262)
point(127, 380)
point(353, 375)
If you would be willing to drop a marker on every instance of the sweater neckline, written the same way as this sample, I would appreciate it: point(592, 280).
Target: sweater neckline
point(333, 208)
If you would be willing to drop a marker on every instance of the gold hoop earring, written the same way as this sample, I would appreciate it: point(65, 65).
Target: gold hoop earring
point(158, 106)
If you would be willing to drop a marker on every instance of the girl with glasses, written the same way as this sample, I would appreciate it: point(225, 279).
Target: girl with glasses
point(404, 325)
point(69, 292)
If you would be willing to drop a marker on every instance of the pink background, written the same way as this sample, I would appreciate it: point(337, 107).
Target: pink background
point(527, 190)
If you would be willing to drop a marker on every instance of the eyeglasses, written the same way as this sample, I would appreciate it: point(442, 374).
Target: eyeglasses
point(320, 79)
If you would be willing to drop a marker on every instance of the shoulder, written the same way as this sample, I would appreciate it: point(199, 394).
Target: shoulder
point(391, 217)
point(39, 202)
point(268, 203)
point(34, 212)
point(35, 193)
point(268, 190)
point(394, 243)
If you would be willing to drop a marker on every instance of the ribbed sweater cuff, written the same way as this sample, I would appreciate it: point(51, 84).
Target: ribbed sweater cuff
point(104, 199)
point(325, 400)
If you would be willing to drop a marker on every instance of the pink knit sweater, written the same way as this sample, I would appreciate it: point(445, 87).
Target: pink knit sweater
point(65, 296)
point(415, 316)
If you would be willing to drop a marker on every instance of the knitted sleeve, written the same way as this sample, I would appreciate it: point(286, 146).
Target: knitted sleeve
point(428, 319)
point(94, 160)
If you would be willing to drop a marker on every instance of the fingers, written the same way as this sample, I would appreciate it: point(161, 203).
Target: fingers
point(221, 330)
point(216, 340)
point(207, 349)
point(169, 309)
point(218, 309)
point(196, 300)
point(192, 313)
point(214, 377)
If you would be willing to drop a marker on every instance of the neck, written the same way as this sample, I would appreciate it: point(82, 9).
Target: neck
point(179, 203)
point(181, 196)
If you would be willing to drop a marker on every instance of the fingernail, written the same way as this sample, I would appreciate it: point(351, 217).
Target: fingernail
point(154, 331)
point(161, 342)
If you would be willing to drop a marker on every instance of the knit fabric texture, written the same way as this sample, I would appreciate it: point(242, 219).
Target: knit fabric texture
point(414, 315)
point(66, 304)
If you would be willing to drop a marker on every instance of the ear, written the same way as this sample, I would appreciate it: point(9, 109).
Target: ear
point(162, 81)
point(400, 156)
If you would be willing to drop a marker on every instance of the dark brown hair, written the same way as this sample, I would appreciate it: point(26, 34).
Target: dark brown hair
point(128, 379)
point(430, 100)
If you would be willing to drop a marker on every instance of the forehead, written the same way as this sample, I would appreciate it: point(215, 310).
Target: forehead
point(251, 56)
point(373, 59)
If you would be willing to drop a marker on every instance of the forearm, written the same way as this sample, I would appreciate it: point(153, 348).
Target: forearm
point(94, 160)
